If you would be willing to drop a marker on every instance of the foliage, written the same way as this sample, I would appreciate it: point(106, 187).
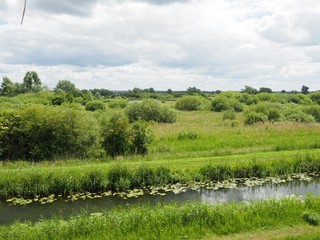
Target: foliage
point(150, 110)
point(95, 105)
point(37, 132)
point(118, 103)
point(249, 90)
point(31, 82)
point(188, 135)
point(254, 117)
point(315, 97)
point(296, 114)
point(313, 110)
point(190, 103)
point(299, 99)
point(265, 89)
point(304, 89)
point(224, 102)
point(121, 138)
point(67, 87)
point(229, 114)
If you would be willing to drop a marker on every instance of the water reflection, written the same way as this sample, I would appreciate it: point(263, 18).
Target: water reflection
point(33, 212)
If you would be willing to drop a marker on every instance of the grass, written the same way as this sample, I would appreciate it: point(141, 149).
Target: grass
point(188, 221)
point(29, 181)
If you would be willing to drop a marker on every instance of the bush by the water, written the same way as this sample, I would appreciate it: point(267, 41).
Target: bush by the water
point(150, 110)
point(41, 132)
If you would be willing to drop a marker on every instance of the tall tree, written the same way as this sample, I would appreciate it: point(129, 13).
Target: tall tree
point(68, 87)
point(31, 82)
point(8, 88)
point(305, 89)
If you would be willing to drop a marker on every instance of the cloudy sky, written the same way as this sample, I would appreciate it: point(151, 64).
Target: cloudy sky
point(121, 44)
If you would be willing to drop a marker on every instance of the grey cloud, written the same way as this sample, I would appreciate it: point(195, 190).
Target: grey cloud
point(72, 7)
point(84, 8)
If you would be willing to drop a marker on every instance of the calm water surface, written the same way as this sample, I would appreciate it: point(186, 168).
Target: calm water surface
point(36, 211)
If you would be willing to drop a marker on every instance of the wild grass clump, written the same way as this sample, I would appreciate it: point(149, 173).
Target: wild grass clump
point(63, 181)
point(191, 220)
point(260, 169)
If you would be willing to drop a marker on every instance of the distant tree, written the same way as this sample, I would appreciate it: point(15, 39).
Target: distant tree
point(250, 90)
point(151, 90)
point(193, 90)
point(218, 91)
point(169, 90)
point(283, 91)
point(31, 82)
point(265, 89)
point(68, 87)
point(305, 89)
point(8, 88)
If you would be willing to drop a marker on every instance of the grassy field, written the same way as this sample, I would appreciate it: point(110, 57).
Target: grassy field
point(200, 146)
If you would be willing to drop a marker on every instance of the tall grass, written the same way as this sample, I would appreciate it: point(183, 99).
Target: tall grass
point(188, 221)
point(32, 181)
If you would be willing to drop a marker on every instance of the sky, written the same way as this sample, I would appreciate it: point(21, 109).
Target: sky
point(122, 44)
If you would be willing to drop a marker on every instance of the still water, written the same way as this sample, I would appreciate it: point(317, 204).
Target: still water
point(35, 211)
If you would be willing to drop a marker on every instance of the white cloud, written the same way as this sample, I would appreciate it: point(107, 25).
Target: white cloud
point(222, 44)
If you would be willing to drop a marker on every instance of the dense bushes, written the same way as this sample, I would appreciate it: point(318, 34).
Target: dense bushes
point(95, 105)
point(122, 138)
point(191, 103)
point(38, 132)
point(223, 103)
point(118, 103)
point(150, 110)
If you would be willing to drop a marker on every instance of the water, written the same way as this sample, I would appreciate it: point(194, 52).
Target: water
point(36, 211)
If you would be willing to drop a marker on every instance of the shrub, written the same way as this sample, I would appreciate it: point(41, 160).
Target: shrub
point(315, 97)
point(150, 110)
point(254, 117)
point(122, 138)
point(38, 132)
point(220, 104)
point(187, 135)
point(295, 114)
point(190, 103)
point(118, 103)
point(230, 114)
point(95, 105)
point(313, 110)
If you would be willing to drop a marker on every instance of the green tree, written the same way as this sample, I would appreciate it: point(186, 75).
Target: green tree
point(8, 88)
point(250, 90)
point(31, 82)
point(68, 87)
point(265, 89)
point(304, 89)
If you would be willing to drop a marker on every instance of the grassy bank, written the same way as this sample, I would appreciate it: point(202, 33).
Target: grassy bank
point(29, 181)
point(189, 221)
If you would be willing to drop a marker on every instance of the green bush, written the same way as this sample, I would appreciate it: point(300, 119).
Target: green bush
point(296, 114)
point(95, 105)
point(150, 110)
point(315, 97)
point(190, 103)
point(118, 103)
point(122, 138)
point(188, 135)
point(38, 132)
point(230, 114)
point(313, 110)
point(223, 103)
point(254, 117)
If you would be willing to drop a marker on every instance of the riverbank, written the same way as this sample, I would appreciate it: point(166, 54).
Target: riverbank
point(175, 221)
